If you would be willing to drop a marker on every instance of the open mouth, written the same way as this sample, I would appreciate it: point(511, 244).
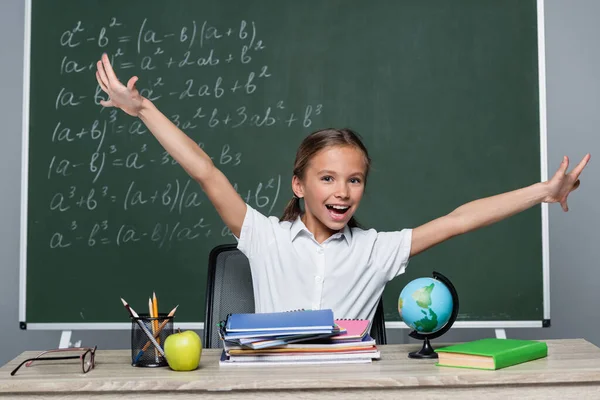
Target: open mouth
point(337, 210)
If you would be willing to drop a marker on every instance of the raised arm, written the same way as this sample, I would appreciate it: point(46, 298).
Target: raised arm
point(184, 150)
point(483, 212)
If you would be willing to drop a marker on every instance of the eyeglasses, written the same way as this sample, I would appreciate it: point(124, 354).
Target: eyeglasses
point(87, 358)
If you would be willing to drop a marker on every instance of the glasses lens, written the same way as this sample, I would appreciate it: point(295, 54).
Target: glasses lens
point(87, 361)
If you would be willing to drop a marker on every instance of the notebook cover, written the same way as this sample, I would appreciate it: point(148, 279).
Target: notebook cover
point(291, 350)
point(304, 357)
point(225, 360)
point(270, 334)
point(367, 341)
point(505, 352)
point(355, 328)
point(281, 321)
point(312, 342)
point(263, 344)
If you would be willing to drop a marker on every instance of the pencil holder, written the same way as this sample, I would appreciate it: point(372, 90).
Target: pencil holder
point(143, 351)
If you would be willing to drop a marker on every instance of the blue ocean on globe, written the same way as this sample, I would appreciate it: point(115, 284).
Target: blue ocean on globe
point(425, 304)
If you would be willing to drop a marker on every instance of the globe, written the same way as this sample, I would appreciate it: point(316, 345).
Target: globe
point(429, 306)
point(425, 304)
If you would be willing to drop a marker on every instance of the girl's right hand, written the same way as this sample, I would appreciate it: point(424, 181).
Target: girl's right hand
point(127, 98)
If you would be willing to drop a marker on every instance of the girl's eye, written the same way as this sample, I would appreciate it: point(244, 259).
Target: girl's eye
point(327, 178)
point(355, 180)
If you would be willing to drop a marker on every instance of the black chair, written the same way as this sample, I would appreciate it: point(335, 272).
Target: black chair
point(378, 325)
point(229, 290)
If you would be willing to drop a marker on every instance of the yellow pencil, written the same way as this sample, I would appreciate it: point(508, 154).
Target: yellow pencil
point(151, 312)
point(160, 328)
point(155, 308)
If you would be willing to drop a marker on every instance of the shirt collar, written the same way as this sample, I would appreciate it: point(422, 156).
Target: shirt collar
point(298, 227)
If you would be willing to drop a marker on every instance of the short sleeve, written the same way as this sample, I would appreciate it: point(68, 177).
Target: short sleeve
point(392, 252)
point(256, 232)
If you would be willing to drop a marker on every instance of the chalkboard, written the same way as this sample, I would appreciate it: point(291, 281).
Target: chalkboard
point(445, 95)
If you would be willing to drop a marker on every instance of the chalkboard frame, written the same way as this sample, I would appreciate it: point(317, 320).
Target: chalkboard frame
point(545, 322)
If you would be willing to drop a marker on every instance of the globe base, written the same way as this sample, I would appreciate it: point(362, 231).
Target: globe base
point(425, 352)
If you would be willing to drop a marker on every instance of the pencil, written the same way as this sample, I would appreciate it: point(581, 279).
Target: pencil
point(152, 326)
point(160, 328)
point(151, 313)
point(143, 327)
point(155, 309)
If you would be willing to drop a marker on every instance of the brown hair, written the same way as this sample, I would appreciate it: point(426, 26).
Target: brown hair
point(310, 146)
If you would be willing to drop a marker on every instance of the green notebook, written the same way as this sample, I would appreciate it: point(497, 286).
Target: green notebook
point(491, 353)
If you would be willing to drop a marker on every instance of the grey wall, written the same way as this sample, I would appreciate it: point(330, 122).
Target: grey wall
point(573, 96)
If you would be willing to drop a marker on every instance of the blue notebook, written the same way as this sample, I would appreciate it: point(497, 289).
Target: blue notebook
point(274, 334)
point(280, 321)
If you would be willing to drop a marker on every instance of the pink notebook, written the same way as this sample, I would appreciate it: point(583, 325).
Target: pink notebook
point(356, 329)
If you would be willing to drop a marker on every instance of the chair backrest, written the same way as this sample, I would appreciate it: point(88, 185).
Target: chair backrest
point(229, 290)
point(378, 325)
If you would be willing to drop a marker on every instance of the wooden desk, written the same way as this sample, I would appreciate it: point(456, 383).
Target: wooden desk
point(571, 370)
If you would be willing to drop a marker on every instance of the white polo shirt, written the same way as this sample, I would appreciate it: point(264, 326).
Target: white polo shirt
point(346, 273)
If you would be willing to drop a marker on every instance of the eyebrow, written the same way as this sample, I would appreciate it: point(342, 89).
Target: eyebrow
point(326, 171)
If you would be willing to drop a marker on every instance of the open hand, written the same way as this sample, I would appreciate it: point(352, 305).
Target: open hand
point(127, 98)
point(563, 183)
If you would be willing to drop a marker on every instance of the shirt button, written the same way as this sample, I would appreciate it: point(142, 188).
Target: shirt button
point(318, 279)
point(320, 250)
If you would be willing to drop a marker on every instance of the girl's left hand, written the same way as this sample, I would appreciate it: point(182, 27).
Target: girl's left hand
point(562, 183)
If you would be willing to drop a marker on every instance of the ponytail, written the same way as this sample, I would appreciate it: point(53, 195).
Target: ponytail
point(292, 210)
point(353, 223)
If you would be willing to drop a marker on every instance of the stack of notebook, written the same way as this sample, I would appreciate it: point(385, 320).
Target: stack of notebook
point(295, 337)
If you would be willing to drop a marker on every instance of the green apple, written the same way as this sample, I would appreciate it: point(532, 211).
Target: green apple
point(183, 350)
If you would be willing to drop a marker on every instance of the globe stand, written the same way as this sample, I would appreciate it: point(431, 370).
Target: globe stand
point(427, 350)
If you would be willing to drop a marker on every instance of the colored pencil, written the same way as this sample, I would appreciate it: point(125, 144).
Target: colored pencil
point(152, 315)
point(143, 327)
point(155, 310)
point(160, 328)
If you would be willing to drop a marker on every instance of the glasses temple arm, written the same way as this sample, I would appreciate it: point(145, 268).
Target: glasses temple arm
point(56, 351)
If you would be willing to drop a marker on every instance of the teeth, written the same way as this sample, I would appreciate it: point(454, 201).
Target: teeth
point(339, 207)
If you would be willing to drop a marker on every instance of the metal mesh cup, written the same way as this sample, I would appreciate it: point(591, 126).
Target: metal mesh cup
point(143, 352)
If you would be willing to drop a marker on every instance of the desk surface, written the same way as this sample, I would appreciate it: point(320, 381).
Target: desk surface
point(572, 367)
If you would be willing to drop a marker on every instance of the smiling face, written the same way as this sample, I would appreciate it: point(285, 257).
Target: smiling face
point(332, 187)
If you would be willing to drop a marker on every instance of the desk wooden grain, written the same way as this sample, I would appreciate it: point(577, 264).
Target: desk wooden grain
point(572, 369)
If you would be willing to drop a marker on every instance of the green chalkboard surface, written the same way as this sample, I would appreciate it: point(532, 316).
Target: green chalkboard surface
point(445, 95)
